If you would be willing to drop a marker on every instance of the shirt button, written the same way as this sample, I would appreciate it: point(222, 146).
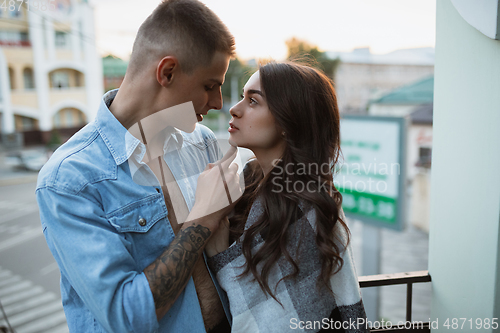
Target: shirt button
point(142, 222)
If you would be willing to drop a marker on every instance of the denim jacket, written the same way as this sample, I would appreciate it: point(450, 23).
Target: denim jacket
point(103, 228)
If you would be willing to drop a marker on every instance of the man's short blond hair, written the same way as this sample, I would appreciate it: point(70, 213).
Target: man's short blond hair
point(186, 29)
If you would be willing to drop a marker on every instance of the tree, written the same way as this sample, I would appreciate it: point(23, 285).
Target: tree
point(302, 49)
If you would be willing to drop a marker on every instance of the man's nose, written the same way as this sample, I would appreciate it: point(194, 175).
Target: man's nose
point(215, 101)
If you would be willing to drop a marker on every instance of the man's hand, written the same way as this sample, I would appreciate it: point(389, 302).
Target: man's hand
point(170, 272)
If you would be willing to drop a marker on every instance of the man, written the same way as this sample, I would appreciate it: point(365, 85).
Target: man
point(126, 262)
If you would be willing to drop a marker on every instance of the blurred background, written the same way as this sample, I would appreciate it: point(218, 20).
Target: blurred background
point(57, 58)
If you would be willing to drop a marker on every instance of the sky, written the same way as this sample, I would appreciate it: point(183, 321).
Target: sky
point(261, 27)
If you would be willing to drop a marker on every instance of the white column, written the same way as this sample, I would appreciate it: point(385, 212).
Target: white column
point(75, 35)
point(40, 71)
point(93, 63)
point(8, 125)
point(464, 253)
point(50, 38)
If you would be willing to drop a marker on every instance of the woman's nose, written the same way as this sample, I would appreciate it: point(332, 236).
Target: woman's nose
point(234, 111)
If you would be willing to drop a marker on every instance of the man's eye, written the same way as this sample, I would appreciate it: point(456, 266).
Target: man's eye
point(208, 88)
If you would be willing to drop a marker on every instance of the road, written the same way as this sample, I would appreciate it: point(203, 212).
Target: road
point(29, 276)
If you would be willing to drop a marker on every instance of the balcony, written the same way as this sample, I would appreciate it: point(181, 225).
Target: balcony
point(408, 278)
point(25, 98)
point(58, 95)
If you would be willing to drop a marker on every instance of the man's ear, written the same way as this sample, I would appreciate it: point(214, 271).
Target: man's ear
point(167, 68)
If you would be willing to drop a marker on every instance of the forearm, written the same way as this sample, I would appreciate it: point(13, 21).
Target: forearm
point(170, 272)
point(210, 303)
point(219, 240)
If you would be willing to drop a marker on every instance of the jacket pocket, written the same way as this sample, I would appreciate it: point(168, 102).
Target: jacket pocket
point(139, 216)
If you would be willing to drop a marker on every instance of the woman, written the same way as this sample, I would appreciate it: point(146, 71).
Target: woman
point(290, 266)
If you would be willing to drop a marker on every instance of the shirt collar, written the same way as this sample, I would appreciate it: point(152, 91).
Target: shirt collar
point(120, 142)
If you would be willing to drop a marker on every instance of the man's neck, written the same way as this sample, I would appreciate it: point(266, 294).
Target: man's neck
point(132, 103)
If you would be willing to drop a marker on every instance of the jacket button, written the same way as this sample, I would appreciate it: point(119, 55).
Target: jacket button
point(142, 222)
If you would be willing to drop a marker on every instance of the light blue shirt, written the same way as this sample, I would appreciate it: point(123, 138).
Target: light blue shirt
point(90, 207)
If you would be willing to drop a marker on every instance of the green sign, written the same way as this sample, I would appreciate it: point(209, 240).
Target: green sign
point(369, 205)
point(371, 178)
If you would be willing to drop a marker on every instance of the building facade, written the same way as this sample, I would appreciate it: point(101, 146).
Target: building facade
point(363, 76)
point(415, 102)
point(113, 70)
point(50, 71)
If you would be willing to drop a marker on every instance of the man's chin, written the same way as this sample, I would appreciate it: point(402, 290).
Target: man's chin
point(199, 117)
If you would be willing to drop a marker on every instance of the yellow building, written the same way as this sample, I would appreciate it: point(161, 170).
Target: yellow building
point(50, 72)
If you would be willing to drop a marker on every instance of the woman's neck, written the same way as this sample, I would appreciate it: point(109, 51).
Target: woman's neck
point(267, 157)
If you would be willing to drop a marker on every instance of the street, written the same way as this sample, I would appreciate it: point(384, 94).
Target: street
point(29, 276)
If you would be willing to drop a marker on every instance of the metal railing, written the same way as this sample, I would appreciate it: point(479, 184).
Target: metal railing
point(408, 278)
point(8, 328)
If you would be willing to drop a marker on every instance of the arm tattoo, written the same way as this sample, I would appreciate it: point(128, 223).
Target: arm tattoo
point(169, 273)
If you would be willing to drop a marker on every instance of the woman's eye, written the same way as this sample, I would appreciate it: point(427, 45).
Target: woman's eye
point(253, 101)
point(241, 96)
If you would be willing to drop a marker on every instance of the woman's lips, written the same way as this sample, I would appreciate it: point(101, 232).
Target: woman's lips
point(232, 128)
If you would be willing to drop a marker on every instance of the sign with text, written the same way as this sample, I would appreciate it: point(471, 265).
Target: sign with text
point(372, 175)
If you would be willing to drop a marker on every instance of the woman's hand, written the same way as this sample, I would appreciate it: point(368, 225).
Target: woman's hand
point(217, 191)
point(219, 240)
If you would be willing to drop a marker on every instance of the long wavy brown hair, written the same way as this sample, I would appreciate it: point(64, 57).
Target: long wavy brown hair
point(303, 102)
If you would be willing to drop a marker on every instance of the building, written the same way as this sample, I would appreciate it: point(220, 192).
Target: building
point(414, 101)
point(50, 72)
point(464, 243)
point(363, 76)
point(114, 70)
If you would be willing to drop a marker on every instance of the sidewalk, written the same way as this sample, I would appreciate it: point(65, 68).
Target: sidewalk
point(405, 251)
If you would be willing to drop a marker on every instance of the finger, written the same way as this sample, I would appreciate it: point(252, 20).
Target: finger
point(228, 157)
point(225, 184)
point(233, 168)
point(209, 166)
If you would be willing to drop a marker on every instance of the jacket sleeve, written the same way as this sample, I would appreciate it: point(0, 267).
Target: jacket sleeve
point(94, 258)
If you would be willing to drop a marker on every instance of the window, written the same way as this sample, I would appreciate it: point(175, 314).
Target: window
point(57, 120)
point(78, 79)
point(424, 157)
point(28, 78)
point(12, 79)
point(60, 80)
point(69, 117)
point(68, 114)
point(81, 118)
point(28, 124)
point(14, 38)
point(62, 40)
point(14, 13)
point(24, 39)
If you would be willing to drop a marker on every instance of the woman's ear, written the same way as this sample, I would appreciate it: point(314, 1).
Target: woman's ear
point(166, 70)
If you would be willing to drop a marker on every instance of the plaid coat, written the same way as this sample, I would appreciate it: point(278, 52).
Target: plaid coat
point(304, 307)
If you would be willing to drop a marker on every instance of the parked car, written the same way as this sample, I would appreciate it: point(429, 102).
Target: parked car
point(32, 160)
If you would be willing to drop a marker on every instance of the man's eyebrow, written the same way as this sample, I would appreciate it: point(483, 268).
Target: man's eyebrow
point(216, 81)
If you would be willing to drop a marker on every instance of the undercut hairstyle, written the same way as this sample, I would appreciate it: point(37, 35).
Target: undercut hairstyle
point(186, 29)
point(303, 102)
